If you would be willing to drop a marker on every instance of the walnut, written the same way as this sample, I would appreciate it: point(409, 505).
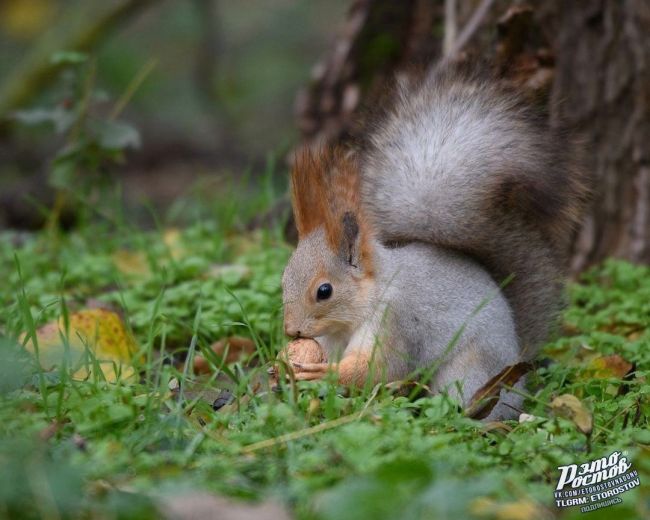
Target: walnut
point(303, 350)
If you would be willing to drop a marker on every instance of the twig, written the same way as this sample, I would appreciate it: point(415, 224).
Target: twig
point(132, 88)
point(302, 433)
point(468, 31)
point(451, 27)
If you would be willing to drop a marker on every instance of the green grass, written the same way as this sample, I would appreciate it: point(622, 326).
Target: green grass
point(91, 449)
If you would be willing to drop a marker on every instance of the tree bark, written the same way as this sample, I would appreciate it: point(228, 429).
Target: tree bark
point(587, 63)
point(602, 90)
point(378, 37)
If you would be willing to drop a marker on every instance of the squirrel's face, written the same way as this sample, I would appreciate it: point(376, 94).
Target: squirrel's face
point(323, 292)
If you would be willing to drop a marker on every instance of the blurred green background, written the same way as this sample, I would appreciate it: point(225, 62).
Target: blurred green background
point(219, 79)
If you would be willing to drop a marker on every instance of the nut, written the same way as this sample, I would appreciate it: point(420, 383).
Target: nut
point(303, 350)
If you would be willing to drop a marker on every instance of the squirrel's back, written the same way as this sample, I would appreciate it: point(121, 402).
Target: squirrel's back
point(458, 163)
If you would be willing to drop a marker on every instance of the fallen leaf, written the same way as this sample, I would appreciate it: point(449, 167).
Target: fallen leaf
point(173, 239)
point(231, 274)
point(137, 264)
point(200, 505)
point(604, 367)
point(245, 243)
point(497, 426)
point(570, 407)
point(100, 331)
point(229, 350)
point(522, 509)
point(51, 429)
point(485, 398)
point(131, 263)
point(23, 19)
point(314, 407)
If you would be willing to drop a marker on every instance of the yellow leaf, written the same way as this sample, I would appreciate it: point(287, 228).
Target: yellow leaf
point(136, 263)
point(569, 406)
point(131, 263)
point(614, 366)
point(174, 241)
point(100, 331)
point(23, 19)
point(522, 509)
point(241, 244)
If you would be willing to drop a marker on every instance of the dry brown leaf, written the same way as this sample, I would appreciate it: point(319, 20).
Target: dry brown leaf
point(570, 407)
point(610, 366)
point(570, 329)
point(234, 348)
point(201, 505)
point(51, 429)
point(486, 397)
point(497, 426)
point(131, 263)
point(102, 332)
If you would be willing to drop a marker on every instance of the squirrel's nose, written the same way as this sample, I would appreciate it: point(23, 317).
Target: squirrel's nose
point(291, 332)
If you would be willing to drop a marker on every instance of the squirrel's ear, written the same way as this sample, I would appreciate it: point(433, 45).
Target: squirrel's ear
point(308, 191)
point(350, 249)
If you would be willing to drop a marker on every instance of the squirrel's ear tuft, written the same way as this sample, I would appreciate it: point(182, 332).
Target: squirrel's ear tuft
point(324, 185)
point(325, 189)
point(309, 190)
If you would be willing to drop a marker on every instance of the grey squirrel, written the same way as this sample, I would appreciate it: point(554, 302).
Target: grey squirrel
point(404, 242)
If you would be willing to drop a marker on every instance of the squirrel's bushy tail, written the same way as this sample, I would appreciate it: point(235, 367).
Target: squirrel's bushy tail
point(458, 163)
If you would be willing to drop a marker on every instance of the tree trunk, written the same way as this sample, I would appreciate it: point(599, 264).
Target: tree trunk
point(588, 61)
point(602, 89)
point(379, 36)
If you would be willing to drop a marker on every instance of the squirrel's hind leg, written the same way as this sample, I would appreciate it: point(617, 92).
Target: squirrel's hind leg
point(471, 365)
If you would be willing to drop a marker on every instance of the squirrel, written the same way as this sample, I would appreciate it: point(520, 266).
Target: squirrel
point(441, 241)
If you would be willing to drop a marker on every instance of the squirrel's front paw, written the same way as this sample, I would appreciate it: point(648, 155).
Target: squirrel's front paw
point(308, 362)
point(312, 371)
point(352, 370)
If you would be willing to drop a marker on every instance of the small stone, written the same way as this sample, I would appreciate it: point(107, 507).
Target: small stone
point(79, 442)
point(225, 397)
point(525, 417)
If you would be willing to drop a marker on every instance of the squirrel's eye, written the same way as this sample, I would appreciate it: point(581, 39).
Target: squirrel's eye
point(324, 291)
